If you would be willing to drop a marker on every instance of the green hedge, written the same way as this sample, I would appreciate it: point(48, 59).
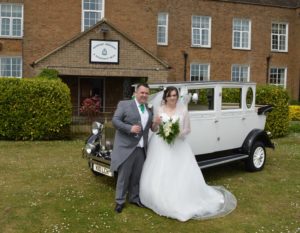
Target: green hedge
point(277, 120)
point(34, 109)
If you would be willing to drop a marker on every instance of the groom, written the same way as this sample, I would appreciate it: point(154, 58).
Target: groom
point(132, 121)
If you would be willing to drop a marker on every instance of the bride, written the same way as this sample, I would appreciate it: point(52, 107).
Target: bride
point(172, 184)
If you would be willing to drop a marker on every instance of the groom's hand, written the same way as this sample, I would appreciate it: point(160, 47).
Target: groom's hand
point(135, 129)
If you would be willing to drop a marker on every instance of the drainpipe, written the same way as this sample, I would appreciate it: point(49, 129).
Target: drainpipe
point(268, 67)
point(185, 56)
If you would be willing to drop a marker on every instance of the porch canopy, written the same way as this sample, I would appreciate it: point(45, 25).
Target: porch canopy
point(104, 51)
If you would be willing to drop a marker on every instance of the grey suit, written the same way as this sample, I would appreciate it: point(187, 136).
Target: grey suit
point(126, 158)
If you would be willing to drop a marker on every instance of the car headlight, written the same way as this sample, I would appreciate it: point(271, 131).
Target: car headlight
point(108, 145)
point(89, 148)
point(96, 127)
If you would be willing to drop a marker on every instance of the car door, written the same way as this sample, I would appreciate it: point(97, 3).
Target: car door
point(203, 119)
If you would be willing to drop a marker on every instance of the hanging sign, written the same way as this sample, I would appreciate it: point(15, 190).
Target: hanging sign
point(104, 51)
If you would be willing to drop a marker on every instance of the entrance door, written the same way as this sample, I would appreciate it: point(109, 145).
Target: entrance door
point(89, 88)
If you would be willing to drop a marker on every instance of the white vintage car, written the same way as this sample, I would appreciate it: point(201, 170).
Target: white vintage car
point(226, 126)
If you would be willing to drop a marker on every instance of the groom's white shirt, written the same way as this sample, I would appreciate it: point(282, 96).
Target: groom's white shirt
point(144, 120)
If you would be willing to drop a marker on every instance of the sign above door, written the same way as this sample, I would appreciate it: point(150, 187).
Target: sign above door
point(104, 51)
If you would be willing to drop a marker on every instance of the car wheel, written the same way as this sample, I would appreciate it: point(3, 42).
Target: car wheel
point(257, 157)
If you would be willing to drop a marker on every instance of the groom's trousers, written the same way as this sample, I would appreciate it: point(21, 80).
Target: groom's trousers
point(129, 174)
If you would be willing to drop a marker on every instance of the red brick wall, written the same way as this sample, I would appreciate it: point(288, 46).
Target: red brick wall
point(47, 25)
point(50, 23)
point(10, 47)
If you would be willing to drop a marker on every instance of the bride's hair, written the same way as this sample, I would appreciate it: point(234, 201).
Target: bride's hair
point(167, 92)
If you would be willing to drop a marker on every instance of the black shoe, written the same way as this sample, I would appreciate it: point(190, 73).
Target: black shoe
point(119, 208)
point(139, 204)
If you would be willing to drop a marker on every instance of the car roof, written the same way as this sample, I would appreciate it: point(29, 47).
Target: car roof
point(193, 84)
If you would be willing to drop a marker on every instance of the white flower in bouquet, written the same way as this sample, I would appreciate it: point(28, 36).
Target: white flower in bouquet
point(169, 129)
point(165, 118)
point(174, 119)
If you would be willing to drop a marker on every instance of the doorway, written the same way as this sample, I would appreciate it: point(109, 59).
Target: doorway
point(91, 88)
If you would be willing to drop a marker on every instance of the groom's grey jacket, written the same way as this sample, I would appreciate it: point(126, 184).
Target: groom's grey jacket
point(126, 115)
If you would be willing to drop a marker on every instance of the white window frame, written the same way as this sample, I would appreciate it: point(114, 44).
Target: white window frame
point(279, 37)
point(277, 73)
point(11, 69)
point(241, 33)
point(101, 11)
point(240, 72)
point(11, 19)
point(200, 65)
point(200, 30)
point(164, 27)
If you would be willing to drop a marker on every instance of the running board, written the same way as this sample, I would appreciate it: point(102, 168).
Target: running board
point(222, 160)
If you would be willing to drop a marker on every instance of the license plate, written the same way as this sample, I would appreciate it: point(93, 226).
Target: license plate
point(103, 170)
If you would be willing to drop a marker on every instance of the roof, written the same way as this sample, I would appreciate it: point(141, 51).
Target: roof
point(275, 3)
point(103, 21)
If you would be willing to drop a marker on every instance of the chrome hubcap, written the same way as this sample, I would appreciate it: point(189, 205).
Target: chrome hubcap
point(258, 157)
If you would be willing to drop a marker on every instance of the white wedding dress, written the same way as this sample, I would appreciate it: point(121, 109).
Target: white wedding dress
point(172, 184)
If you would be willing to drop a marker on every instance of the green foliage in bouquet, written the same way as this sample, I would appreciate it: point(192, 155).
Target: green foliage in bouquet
point(169, 130)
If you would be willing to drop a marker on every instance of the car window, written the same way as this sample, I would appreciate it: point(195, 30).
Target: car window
point(231, 98)
point(249, 97)
point(201, 99)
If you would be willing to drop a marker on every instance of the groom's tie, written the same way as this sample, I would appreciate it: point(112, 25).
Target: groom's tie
point(142, 107)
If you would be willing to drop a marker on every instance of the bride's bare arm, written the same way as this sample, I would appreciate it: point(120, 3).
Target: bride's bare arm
point(156, 120)
point(155, 123)
point(186, 125)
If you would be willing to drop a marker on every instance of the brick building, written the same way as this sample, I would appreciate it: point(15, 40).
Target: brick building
point(102, 47)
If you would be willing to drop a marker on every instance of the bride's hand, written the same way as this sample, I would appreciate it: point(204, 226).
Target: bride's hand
point(156, 122)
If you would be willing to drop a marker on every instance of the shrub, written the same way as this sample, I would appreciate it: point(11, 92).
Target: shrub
point(277, 120)
point(294, 111)
point(33, 109)
point(49, 74)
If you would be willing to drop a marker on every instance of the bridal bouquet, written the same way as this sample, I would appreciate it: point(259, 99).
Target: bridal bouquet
point(169, 129)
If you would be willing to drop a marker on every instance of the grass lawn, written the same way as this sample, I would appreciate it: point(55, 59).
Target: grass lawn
point(47, 187)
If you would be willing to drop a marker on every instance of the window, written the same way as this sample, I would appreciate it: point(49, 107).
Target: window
point(200, 72)
point(278, 76)
point(201, 99)
point(279, 37)
point(92, 12)
point(201, 31)
point(240, 73)
point(241, 38)
point(231, 98)
point(10, 67)
point(11, 20)
point(162, 29)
